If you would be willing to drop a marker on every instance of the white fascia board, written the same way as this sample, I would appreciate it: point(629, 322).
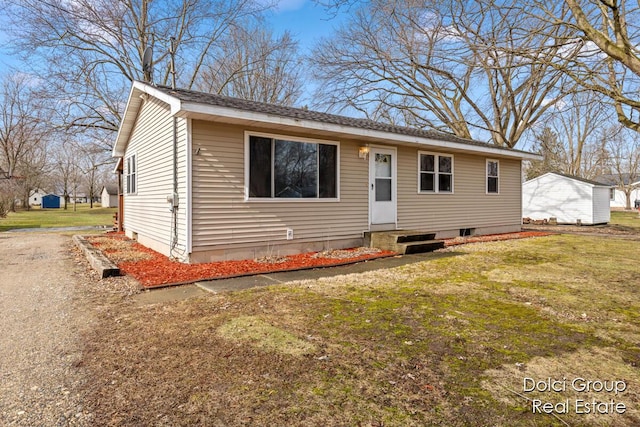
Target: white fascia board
point(136, 96)
point(231, 113)
point(125, 126)
point(173, 102)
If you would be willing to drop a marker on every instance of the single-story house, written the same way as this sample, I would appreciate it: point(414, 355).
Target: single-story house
point(208, 177)
point(109, 196)
point(568, 199)
point(618, 198)
point(51, 201)
point(78, 198)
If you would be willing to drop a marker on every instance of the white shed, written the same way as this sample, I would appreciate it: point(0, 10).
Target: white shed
point(109, 196)
point(35, 197)
point(569, 199)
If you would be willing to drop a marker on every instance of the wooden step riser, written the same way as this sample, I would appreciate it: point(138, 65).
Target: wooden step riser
point(420, 247)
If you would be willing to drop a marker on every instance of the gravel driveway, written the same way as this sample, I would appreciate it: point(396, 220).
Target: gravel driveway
point(41, 319)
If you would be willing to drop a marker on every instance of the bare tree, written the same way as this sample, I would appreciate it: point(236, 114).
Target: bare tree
point(548, 144)
point(255, 65)
point(90, 50)
point(92, 159)
point(578, 122)
point(67, 175)
point(455, 66)
point(9, 188)
point(24, 133)
point(604, 47)
point(624, 160)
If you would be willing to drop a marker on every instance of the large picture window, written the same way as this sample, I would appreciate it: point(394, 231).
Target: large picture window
point(435, 173)
point(290, 169)
point(132, 174)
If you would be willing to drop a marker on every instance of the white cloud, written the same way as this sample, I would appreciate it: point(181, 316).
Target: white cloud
point(287, 5)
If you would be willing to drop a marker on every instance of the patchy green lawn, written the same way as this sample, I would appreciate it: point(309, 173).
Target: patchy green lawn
point(455, 340)
point(626, 218)
point(48, 218)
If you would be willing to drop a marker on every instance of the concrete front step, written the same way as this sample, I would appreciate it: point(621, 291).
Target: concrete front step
point(404, 241)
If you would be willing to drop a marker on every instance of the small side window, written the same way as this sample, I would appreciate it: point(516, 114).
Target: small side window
point(132, 175)
point(493, 177)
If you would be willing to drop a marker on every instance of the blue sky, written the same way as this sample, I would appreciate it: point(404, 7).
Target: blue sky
point(306, 21)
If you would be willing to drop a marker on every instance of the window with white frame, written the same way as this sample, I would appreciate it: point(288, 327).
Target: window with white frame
point(612, 193)
point(435, 173)
point(291, 168)
point(132, 174)
point(493, 177)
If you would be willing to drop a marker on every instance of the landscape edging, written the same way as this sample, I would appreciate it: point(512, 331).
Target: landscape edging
point(98, 261)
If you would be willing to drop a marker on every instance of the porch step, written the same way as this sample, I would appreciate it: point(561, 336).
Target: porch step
point(404, 241)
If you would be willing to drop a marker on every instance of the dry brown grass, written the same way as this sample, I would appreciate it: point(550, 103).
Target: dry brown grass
point(599, 365)
point(446, 341)
point(254, 331)
point(119, 250)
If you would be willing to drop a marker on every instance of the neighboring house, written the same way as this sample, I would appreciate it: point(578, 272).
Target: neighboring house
point(617, 195)
point(50, 201)
point(109, 197)
point(78, 198)
point(207, 177)
point(569, 199)
point(35, 198)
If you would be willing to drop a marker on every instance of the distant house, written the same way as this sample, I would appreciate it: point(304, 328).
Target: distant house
point(78, 198)
point(617, 196)
point(109, 197)
point(208, 177)
point(50, 201)
point(569, 199)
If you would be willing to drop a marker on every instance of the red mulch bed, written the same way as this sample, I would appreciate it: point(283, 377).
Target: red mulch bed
point(160, 271)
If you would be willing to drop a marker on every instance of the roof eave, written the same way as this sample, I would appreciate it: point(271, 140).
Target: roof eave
point(140, 91)
point(138, 94)
point(194, 109)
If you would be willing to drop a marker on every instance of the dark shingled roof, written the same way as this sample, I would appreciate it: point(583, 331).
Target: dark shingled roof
point(185, 95)
point(112, 189)
point(611, 179)
point(577, 178)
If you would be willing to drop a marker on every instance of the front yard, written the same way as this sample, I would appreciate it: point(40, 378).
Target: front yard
point(82, 215)
point(504, 333)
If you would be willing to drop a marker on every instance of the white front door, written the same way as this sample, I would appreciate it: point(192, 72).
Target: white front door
point(382, 186)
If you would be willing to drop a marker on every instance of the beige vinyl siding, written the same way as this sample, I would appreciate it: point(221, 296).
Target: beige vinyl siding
point(147, 211)
point(468, 206)
point(222, 218)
